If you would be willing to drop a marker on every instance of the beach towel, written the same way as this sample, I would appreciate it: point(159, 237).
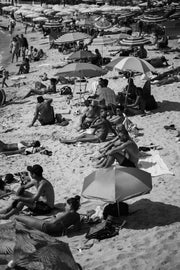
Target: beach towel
point(152, 163)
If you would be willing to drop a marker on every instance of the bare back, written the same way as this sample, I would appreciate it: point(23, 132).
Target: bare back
point(46, 192)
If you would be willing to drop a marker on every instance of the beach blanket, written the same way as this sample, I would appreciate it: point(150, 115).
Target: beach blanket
point(152, 163)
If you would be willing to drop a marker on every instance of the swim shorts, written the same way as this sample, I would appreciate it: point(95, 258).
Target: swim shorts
point(128, 163)
point(41, 208)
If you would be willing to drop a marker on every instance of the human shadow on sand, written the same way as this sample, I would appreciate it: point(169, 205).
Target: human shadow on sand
point(167, 106)
point(147, 214)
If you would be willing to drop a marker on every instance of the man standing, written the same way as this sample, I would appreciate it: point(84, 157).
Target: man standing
point(24, 45)
point(42, 202)
point(44, 112)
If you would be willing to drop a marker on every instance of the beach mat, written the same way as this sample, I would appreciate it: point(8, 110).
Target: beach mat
point(152, 163)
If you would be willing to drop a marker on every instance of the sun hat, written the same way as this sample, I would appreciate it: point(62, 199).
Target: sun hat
point(36, 169)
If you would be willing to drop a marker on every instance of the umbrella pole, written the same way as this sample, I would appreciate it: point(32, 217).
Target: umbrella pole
point(126, 97)
point(118, 209)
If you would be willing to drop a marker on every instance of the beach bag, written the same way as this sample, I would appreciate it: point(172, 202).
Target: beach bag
point(66, 90)
point(151, 104)
point(112, 210)
point(102, 231)
point(2, 97)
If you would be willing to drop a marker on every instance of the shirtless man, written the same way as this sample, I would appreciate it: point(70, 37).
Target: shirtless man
point(123, 149)
point(21, 146)
point(42, 202)
point(44, 112)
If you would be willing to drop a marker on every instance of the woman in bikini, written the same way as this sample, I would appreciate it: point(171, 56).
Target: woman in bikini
point(58, 225)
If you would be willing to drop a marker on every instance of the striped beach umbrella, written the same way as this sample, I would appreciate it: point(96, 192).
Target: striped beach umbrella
point(103, 41)
point(54, 24)
point(125, 29)
point(126, 14)
point(134, 41)
point(71, 37)
point(80, 55)
point(153, 19)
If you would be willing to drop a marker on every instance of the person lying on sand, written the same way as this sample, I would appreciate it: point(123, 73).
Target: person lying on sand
point(22, 145)
point(58, 225)
point(101, 128)
point(123, 149)
point(42, 202)
point(44, 112)
point(51, 89)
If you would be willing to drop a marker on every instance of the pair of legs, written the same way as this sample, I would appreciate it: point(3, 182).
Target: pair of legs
point(108, 161)
point(8, 146)
point(33, 92)
point(13, 55)
point(83, 138)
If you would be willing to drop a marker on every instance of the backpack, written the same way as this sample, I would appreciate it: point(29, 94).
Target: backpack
point(66, 90)
point(102, 231)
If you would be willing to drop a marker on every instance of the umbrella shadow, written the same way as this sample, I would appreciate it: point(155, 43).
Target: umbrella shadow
point(148, 214)
point(167, 106)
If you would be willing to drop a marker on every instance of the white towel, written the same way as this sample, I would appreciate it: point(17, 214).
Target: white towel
point(153, 164)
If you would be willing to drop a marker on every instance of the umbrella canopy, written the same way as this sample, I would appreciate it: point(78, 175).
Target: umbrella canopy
point(116, 184)
point(102, 23)
point(103, 40)
point(54, 24)
point(71, 37)
point(32, 249)
point(81, 55)
point(134, 41)
point(153, 19)
point(124, 29)
point(81, 70)
point(136, 64)
point(40, 19)
point(114, 62)
point(32, 15)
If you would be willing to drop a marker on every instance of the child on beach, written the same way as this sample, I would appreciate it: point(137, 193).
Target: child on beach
point(5, 75)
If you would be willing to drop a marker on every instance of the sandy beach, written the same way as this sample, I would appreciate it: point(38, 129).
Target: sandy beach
point(150, 240)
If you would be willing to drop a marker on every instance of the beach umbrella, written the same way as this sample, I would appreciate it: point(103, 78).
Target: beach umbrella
point(125, 29)
point(134, 41)
point(32, 15)
point(32, 249)
point(71, 37)
point(116, 184)
point(136, 64)
point(103, 41)
point(111, 65)
point(52, 24)
point(40, 19)
point(81, 70)
point(126, 14)
point(102, 23)
point(81, 55)
point(153, 19)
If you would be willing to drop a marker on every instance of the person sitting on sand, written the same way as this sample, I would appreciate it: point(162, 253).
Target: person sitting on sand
point(51, 89)
point(24, 67)
point(141, 52)
point(44, 112)
point(101, 127)
point(57, 225)
point(106, 94)
point(123, 149)
point(163, 42)
point(139, 104)
point(90, 114)
point(42, 202)
point(22, 145)
point(119, 117)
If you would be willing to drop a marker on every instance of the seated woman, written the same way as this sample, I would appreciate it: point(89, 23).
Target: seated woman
point(101, 128)
point(163, 42)
point(138, 106)
point(122, 148)
point(58, 225)
point(51, 89)
point(119, 118)
point(91, 113)
point(129, 91)
point(24, 67)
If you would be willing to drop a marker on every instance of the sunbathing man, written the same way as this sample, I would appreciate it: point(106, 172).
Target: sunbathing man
point(90, 114)
point(58, 225)
point(44, 112)
point(101, 128)
point(42, 202)
point(123, 149)
point(51, 89)
point(21, 146)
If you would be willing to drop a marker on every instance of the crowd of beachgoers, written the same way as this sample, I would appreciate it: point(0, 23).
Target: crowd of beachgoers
point(89, 92)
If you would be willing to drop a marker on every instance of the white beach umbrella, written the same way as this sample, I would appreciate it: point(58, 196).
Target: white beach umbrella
point(32, 15)
point(40, 19)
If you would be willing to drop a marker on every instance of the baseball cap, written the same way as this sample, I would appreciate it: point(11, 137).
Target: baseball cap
point(36, 169)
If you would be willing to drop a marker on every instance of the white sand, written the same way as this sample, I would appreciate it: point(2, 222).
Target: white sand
point(151, 238)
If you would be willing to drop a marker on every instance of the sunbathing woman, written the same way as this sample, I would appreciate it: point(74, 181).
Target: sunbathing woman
point(21, 146)
point(51, 89)
point(101, 128)
point(123, 149)
point(58, 225)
